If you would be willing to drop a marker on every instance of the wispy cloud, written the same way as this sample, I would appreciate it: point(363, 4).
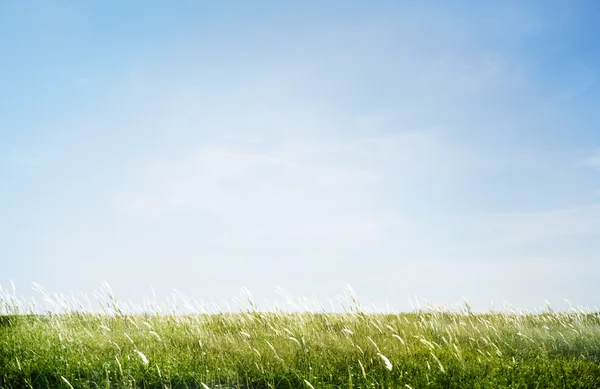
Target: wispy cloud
point(580, 79)
point(26, 160)
point(593, 161)
point(518, 229)
point(256, 198)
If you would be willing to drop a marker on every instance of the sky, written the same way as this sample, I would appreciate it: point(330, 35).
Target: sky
point(443, 150)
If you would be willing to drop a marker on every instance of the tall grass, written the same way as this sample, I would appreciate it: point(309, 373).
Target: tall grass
point(430, 348)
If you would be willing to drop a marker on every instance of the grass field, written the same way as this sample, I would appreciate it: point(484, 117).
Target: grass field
point(424, 349)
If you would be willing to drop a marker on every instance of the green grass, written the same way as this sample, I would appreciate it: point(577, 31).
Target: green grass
point(300, 350)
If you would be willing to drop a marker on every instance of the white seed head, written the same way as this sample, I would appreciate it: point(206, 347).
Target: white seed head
point(142, 356)
point(309, 384)
point(67, 382)
point(388, 364)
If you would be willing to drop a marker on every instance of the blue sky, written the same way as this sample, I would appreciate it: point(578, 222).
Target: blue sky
point(426, 148)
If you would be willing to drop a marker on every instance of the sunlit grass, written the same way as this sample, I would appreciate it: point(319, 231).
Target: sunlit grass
point(253, 349)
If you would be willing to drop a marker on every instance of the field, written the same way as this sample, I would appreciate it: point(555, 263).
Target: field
point(253, 349)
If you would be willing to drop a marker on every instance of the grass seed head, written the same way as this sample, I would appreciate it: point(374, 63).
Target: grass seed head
point(142, 357)
point(309, 384)
point(67, 382)
point(388, 364)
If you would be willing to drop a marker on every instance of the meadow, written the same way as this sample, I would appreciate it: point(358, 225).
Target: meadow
point(428, 348)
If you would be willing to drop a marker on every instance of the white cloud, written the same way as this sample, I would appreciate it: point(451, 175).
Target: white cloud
point(593, 161)
point(287, 174)
point(256, 198)
point(577, 81)
point(26, 160)
point(483, 234)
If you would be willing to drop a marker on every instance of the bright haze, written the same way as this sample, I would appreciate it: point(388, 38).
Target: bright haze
point(432, 149)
